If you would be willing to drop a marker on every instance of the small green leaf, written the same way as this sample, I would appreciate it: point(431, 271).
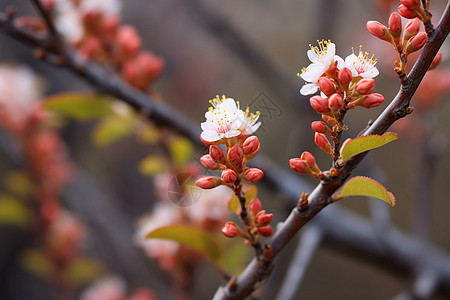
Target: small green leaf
point(233, 204)
point(236, 255)
point(364, 186)
point(37, 262)
point(194, 238)
point(82, 270)
point(181, 150)
point(365, 143)
point(251, 193)
point(152, 165)
point(81, 106)
point(112, 128)
point(12, 211)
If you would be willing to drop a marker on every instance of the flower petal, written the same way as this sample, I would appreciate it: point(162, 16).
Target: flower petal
point(211, 136)
point(232, 132)
point(313, 72)
point(312, 55)
point(308, 89)
point(371, 73)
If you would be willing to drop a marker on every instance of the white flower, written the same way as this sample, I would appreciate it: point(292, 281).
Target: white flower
point(104, 7)
point(322, 58)
point(68, 21)
point(226, 120)
point(360, 65)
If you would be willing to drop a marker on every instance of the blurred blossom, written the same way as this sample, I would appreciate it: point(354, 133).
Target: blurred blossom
point(68, 21)
point(104, 7)
point(110, 288)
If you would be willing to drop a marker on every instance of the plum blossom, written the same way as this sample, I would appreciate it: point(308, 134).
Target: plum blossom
point(322, 58)
point(226, 120)
point(361, 65)
point(68, 21)
point(103, 7)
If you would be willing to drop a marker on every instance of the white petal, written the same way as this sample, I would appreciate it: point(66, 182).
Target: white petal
point(231, 133)
point(351, 59)
point(207, 126)
point(308, 89)
point(250, 130)
point(341, 64)
point(312, 55)
point(313, 72)
point(211, 136)
point(229, 105)
point(370, 73)
point(331, 49)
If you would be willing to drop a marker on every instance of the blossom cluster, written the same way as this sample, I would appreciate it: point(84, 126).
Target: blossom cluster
point(344, 85)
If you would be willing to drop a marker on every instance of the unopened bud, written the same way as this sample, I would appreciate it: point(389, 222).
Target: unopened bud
point(309, 158)
point(208, 182)
point(298, 165)
point(410, 3)
point(320, 127)
point(326, 86)
point(251, 145)
point(419, 40)
point(330, 120)
point(395, 24)
point(336, 102)
point(229, 176)
point(345, 75)
point(265, 231)
point(255, 205)
point(263, 219)
point(253, 175)
point(436, 61)
point(365, 86)
point(413, 27)
point(373, 100)
point(128, 41)
point(319, 104)
point(406, 12)
point(321, 140)
point(230, 230)
point(208, 162)
point(216, 153)
point(379, 30)
point(236, 155)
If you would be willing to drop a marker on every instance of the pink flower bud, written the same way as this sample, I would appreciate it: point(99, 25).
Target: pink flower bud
point(254, 175)
point(207, 161)
point(319, 126)
point(406, 12)
point(229, 176)
point(330, 120)
point(309, 158)
point(410, 3)
point(319, 104)
point(373, 100)
point(235, 155)
point(343, 145)
point(208, 182)
point(255, 205)
point(321, 140)
point(326, 86)
point(365, 86)
point(265, 231)
point(216, 153)
point(336, 102)
point(263, 219)
point(251, 145)
point(298, 165)
point(413, 26)
point(48, 4)
point(436, 61)
point(345, 76)
point(379, 30)
point(128, 41)
point(230, 230)
point(419, 40)
point(395, 24)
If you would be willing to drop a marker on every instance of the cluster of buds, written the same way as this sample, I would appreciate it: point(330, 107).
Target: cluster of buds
point(101, 38)
point(258, 224)
point(306, 164)
point(404, 41)
point(411, 9)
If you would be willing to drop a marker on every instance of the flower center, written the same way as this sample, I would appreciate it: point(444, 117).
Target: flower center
point(221, 118)
point(321, 51)
point(363, 63)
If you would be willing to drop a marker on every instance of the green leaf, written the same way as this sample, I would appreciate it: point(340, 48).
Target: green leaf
point(365, 143)
point(236, 255)
point(12, 211)
point(38, 263)
point(152, 165)
point(112, 128)
point(181, 151)
point(192, 237)
point(251, 193)
point(364, 186)
point(235, 206)
point(82, 270)
point(18, 183)
point(81, 106)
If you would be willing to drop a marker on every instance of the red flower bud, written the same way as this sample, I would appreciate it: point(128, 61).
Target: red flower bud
point(436, 61)
point(128, 41)
point(297, 164)
point(309, 158)
point(255, 205)
point(208, 182)
point(379, 30)
point(395, 24)
point(419, 40)
point(345, 76)
point(265, 231)
point(251, 145)
point(263, 219)
point(330, 120)
point(230, 230)
point(207, 161)
point(336, 102)
point(229, 176)
point(373, 100)
point(319, 104)
point(216, 153)
point(321, 140)
point(410, 3)
point(413, 26)
point(406, 12)
point(254, 175)
point(326, 86)
point(365, 86)
point(319, 126)
point(235, 155)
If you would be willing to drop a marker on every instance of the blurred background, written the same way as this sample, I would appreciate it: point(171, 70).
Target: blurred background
point(250, 51)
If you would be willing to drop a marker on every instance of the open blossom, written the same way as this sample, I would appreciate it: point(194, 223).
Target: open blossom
point(322, 58)
point(361, 65)
point(225, 120)
point(103, 7)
